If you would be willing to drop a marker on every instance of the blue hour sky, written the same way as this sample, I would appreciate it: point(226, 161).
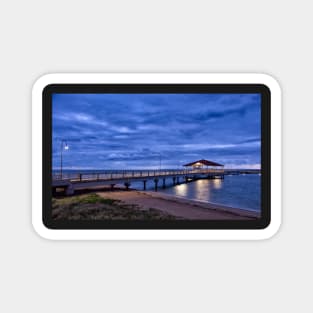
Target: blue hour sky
point(134, 131)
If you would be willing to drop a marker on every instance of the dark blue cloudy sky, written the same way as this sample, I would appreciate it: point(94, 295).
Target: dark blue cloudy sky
point(124, 131)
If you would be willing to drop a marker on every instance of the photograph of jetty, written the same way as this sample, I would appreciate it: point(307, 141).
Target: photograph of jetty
point(156, 156)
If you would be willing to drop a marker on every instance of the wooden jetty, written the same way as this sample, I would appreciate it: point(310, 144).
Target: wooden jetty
point(201, 169)
point(161, 178)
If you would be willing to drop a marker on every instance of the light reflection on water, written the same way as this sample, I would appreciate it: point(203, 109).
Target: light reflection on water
point(200, 189)
point(217, 183)
point(181, 190)
point(241, 191)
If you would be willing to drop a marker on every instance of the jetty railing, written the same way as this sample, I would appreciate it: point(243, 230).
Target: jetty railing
point(124, 174)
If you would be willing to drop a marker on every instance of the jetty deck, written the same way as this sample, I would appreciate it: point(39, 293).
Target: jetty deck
point(161, 178)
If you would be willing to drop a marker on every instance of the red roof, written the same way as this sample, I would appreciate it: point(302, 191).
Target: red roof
point(204, 162)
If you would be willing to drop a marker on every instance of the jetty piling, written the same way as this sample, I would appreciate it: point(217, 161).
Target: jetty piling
point(163, 186)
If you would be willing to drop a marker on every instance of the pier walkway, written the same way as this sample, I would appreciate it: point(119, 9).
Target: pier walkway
point(70, 182)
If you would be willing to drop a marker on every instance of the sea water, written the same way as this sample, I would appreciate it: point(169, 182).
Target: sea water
point(238, 191)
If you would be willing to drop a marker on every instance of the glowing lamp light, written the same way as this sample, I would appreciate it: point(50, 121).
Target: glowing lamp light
point(66, 147)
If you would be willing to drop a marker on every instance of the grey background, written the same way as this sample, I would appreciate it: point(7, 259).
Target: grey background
point(39, 37)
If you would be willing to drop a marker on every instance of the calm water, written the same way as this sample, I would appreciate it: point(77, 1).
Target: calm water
point(240, 191)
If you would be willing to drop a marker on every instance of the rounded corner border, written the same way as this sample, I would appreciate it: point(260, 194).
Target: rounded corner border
point(244, 78)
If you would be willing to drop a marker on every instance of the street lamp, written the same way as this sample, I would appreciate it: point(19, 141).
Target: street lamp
point(64, 146)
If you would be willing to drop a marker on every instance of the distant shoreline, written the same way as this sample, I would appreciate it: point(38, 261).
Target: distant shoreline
point(211, 205)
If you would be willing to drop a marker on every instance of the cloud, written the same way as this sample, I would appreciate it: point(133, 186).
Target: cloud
point(134, 129)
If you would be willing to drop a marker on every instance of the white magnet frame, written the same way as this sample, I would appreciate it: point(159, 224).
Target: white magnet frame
point(164, 234)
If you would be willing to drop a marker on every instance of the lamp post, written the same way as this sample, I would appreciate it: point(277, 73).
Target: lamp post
point(65, 147)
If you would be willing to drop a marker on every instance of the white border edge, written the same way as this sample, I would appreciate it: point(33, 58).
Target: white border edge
point(276, 140)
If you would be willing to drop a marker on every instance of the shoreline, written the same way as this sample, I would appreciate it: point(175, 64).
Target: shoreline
point(209, 205)
point(179, 207)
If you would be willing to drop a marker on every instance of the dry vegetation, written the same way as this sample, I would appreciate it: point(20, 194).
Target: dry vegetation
point(94, 207)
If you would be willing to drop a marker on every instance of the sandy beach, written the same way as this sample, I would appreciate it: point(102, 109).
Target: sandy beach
point(181, 208)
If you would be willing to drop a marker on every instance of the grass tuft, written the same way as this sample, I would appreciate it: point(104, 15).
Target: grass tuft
point(94, 207)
